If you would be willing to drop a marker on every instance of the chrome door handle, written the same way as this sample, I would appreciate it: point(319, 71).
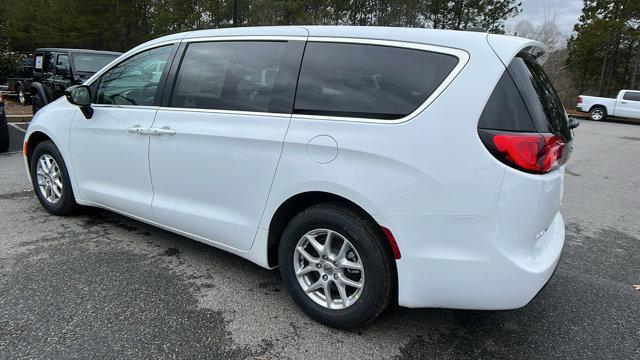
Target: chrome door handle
point(162, 131)
point(137, 129)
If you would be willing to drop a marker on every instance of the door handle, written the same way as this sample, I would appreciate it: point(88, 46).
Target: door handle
point(162, 131)
point(623, 102)
point(137, 129)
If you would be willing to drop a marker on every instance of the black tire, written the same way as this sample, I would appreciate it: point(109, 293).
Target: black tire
point(66, 204)
point(370, 243)
point(36, 103)
point(598, 113)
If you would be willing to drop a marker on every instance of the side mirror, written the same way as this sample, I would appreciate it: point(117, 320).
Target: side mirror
point(80, 95)
point(62, 70)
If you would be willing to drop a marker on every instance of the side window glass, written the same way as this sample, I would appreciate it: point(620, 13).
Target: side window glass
point(38, 63)
point(228, 75)
point(63, 59)
point(631, 95)
point(133, 81)
point(368, 81)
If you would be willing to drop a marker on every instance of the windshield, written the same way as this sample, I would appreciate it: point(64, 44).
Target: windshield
point(92, 62)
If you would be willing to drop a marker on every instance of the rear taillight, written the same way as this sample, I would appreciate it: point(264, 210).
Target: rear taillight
point(530, 152)
point(579, 99)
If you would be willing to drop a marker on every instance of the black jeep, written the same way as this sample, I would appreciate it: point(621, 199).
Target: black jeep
point(56, 69)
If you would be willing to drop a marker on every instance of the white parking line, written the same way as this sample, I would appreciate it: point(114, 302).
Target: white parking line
point(15, 126)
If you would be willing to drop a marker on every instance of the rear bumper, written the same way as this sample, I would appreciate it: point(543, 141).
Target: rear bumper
point(495, 261)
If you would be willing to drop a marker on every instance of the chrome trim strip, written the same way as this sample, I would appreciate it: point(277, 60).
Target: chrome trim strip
point(227, 112)
point(463, 59)
point(115, 106)
point(245, 38)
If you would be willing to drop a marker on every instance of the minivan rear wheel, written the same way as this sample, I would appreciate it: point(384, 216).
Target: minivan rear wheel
point(335, 266)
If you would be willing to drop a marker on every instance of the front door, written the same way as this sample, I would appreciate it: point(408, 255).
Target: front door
point(109, 152)
point(629, 105)
point(220, 137)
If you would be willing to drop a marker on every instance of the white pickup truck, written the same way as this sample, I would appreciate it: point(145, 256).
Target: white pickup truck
point(625, 105)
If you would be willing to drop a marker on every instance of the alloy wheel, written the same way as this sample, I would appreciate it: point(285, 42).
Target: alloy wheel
point(329, 269)
point(49, 178)
point(597, 114)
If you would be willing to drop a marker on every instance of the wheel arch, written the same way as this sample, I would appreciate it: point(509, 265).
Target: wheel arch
point(297, 203)
point(32, 141)
point(38, 89)
point(599, 106)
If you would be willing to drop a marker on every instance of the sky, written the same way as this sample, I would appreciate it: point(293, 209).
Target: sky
point(568, 12)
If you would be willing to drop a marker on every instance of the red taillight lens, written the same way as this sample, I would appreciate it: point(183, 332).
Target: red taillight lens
point(536, 153)
point(579, 99)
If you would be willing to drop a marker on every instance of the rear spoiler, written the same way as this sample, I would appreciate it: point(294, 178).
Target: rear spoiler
point(507, 47)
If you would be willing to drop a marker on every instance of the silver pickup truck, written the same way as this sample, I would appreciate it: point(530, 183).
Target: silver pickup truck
point(625, 105)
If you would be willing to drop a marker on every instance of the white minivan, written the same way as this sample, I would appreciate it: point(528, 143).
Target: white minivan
point(372, 165)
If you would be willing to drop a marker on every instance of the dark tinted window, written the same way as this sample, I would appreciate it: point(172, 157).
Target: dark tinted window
point(355, 80)
point(505, 109)
point(91, 62)
point(541, 99)
point(631, 95)
point(48, 62)
point(130, 82)
point(228, 75)
point(63, 59)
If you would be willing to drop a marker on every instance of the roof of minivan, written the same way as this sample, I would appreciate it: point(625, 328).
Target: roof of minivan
point(506, 47)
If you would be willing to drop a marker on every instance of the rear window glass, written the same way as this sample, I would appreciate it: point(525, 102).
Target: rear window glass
point(368, 81)
point(539, 95)
point(633, 96)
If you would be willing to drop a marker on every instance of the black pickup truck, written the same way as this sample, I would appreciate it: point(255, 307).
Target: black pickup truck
point(55, 69)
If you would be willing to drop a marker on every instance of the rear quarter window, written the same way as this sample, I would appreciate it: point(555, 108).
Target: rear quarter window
point(540, 96)
point(368, 81)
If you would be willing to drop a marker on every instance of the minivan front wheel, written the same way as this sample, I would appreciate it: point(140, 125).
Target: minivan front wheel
point(336, 267)
point(51, 180)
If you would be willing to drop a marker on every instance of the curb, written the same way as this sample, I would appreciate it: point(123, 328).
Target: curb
point(18, 118)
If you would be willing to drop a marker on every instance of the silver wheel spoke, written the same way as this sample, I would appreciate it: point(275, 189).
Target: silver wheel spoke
point(306, 255)
point(348, 282)
point(327, 292)
point(305, 270)
point(313, 287)
point(343, 251)
point(327, 243)
point(343, 293)
point(346, 264)
point(44, 167)
point(316, 245)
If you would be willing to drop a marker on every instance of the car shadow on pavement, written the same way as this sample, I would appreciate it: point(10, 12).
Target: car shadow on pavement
point(171, 283)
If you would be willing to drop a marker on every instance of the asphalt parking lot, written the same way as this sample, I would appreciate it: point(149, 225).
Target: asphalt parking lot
point(100, 285)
